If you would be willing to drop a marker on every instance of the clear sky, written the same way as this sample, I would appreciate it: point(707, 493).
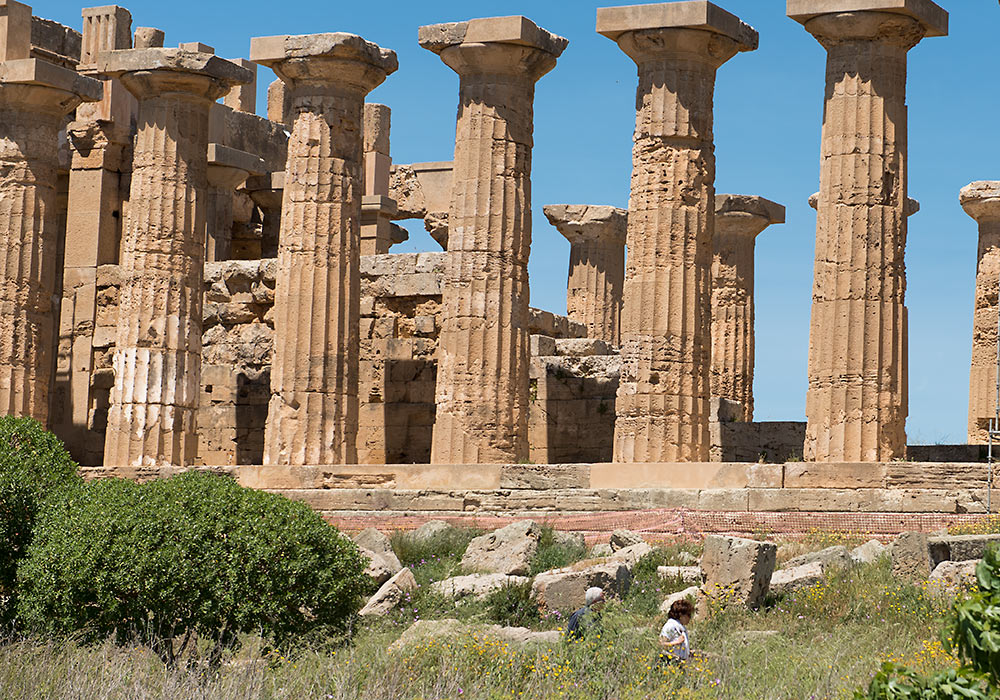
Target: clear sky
point(768, 110)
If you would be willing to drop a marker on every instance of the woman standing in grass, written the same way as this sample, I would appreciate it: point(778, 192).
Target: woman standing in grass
point(674, 636)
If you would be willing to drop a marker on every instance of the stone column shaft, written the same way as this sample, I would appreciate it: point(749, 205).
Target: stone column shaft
point(34, 98)
point(596, 265)
point(482, 375)
point(663, 403)
point(738, 220)
point(313, 414)
point(981, 201)
point(157, 360)
point(856, 404)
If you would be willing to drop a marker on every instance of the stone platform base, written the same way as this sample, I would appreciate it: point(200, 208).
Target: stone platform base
point(666, 499)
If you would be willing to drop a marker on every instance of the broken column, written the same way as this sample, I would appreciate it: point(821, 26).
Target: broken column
point(313, 414)
point(738, 220)
point(35, 96)
point(663, 403)
point(377, 209)
point(482, 376)
point(981, 201)
point(596, 264)
point(157, 358)
point(99, 140)
point(856, 403)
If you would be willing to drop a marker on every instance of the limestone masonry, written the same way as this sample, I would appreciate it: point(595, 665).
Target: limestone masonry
point(186, 283)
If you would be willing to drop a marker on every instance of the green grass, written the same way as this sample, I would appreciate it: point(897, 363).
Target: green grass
point(824, 642)
point(553, 555)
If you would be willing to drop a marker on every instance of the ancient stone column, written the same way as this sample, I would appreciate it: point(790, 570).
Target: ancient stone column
point(981, 201)
point(738, 220)
point(377, 208)
point(228, 168)
point(482, 376)
point(35, 96)
point(157, 359)
point(663, 403)
point(313, 415)
point(856, 404)
point(596, 264)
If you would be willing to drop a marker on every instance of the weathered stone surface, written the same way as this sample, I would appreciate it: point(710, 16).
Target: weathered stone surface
point(381, 566)
point(981, 201)
point(476, 585)
point(379, 545)
point(687, 574)
point(596, 264)
point(508, 550)
point(830, 559)
point(738, 567)
point(868, 553)
point(569, 539)
point(663, 394)
point(431, 530)
point(793, 578)
point(910, 556)
point(692, 593)
point(391, 594)
point(738, 221)
point(632, 554)
point(314, 411)
point(601, 551)
point(959, 547)
point(856, 405)
point(624, 538)
point(482, 373)
point(955, 575)
point(565, 589)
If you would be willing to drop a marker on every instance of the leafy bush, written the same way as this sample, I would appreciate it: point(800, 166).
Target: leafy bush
point(192, 557)
point(512, 605)
point(33, 466)
point(553, 554)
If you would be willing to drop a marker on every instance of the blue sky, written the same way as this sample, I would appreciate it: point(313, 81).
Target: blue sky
point(768, 110)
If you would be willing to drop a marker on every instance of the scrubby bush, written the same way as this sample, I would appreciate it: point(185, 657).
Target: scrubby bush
point(193, 557)
point(33, 465)
point(512, 606)
point(433, 558)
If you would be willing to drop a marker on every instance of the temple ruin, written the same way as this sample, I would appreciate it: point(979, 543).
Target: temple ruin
point(187, 283)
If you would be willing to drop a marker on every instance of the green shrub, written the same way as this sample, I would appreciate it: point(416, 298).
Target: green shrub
point(554, 555)
point(434, 558)
point(192, 557)
point(647, 589)
point(33, 465)
point(512, 606)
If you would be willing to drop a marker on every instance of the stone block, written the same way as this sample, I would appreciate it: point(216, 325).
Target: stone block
point(508, 550)
point(542, 346)
point(565, 589)
point(959, 547)
point(391, 594)
point(476, 585)
point(930, 15)
point(507, 30)
point(830, 559)
point(954, 575)
point(860, 475)
point(15, 30)
point(738, 567)
point(910, 556)
point(868, 553)
point(724, 499)
point(686, 574)
point(612, 22)
point(793, 578)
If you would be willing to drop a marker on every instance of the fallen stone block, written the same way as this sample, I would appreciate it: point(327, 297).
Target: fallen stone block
point(380, 567)
point(508, 550)
point(632, 554)
point(569, 539)
point(476, 585)
point(374, 541)
point(391, 594)
point(429, 530)
point(954, 575)
point(422, 630)
point(565, 589)
point(910, 556)
point(738, 567)
point(868, 553)
point(601, 550)
point(620, 539)
point(694, 593)
point(686, 574)
point(830, 559)
point(959, 547)
point(795, 578)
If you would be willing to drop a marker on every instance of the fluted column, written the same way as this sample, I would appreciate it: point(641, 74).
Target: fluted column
point(596, 264)
point(738, 220)
point(482, 374)
point(313, 414)
point(856, 403)
point(981, 201)
point(664, 397)
point(157, 358)
point(34, 98)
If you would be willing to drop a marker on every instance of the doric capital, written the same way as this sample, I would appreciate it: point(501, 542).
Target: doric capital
point(229, 167)
point(743, 214)
point(981, 200)
point(151, 72)
point(43, 86)
point(696, 28)
point(585, 223)
point(902, 23)
point(513, 46)
point(323, 61)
